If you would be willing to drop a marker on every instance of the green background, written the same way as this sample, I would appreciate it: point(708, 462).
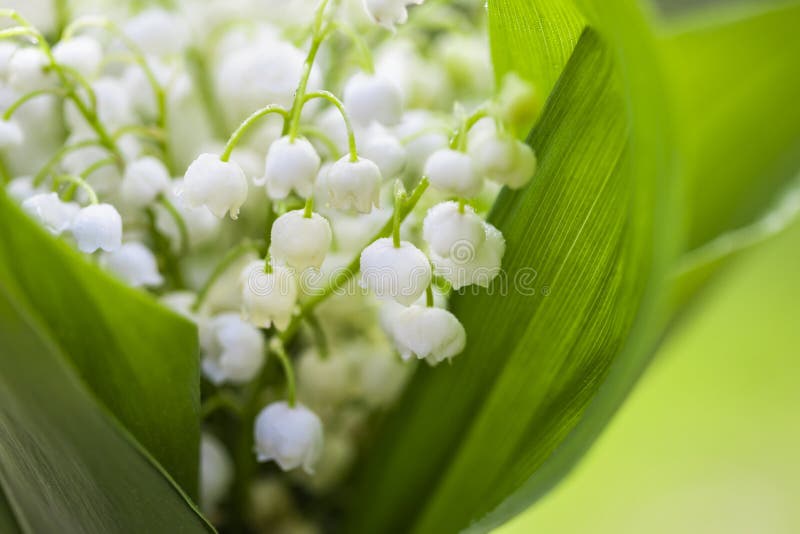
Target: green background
point(709, 440)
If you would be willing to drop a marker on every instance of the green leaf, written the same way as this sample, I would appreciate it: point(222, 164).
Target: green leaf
point(65, 464)
point(734, 86)
point(466, 437)
point(139, 359)
point(8, 524)
point(538, 56)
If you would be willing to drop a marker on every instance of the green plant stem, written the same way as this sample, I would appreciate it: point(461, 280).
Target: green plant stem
point(79, 182)
point(237, 135)
point(229, 259)
point(29, 96)
point(198, 69)
point(429, 295)
point(183, 230)
point(220, 401)
point(318, 36)
point(344, 276)
point(320, 340)
point(63, 151)
point(291, 390)
point(351, 136)
point(308, 210)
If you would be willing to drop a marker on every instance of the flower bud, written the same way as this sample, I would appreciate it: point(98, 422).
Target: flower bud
point(453, 172)
point(82, 53)
point(27, 70)
point(432, 334)
point(97, 226)
point(135, 264)
point(10, 134)
point(371, 98)
point(507, 161)
point(216, 472)
point(219, 185)
point(354, 184)
point(480, 269)
point(519, 103)
point(158, 32)
point(54, 214)
point(145, 178)
point(268, 298)
point(291, 436)
point(300, 241)
point(448, 231)
point(290, 165)
point(233, 350)
point(388, 13)
point(21, 188)
point(402, 273)
point(384, 149)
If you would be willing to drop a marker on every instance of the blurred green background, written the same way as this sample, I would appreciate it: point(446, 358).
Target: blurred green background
point(708, 443)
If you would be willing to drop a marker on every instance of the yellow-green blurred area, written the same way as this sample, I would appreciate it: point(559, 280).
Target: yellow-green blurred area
point(709, 442)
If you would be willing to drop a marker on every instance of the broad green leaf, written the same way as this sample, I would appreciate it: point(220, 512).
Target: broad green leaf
point(8, 524)
point(734, 86)
point(65, 464)
point(534, 39)
point(139, 359)
point(467, 437)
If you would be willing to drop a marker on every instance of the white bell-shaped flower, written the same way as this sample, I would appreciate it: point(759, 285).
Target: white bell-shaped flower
point(135, 264)
point(453, 172)
point(373, 98)
point(300, 241)
point(402, 273)
point(97, 226)
point(10, 134)
point(268, 298)
point(449, 232)
point(480, 269)
point(388, 13)
point(144, 179)
point(233, 350)
point(354, 184)
point(158, 31)
point(54, 214)
point(216, 472)
point(290, 166)
point(82, 53)
point(21, 188)
point(28, 70)
point(430, 334)
point(291, 436)
point(507, 161)
point(219, 185)
point(379, 146)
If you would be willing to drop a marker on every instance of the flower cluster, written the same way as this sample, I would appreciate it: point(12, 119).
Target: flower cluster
point(302, 184)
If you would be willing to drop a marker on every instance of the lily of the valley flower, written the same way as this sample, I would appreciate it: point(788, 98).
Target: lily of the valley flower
point(479, 269)
point(506, 161)
point(216, 472)
point(453, 172)
point(354, 184)
point(54, 214)
point(144, 179)
point(135, 264)
point(233, 350)
point(372, 98)
point(290, 165)
point(268, 297)
point(300, 241)
point(10, 134)
point(388, 13)
point(219, 185)
point(82, 53)
point(291, 436)
point(402, 273)
point(430, 334)
point(449, 230)
point(97, 226)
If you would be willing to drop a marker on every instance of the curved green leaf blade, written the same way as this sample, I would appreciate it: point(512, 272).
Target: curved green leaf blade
point(534, 39)
point(138, 358)
point(65, 466)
